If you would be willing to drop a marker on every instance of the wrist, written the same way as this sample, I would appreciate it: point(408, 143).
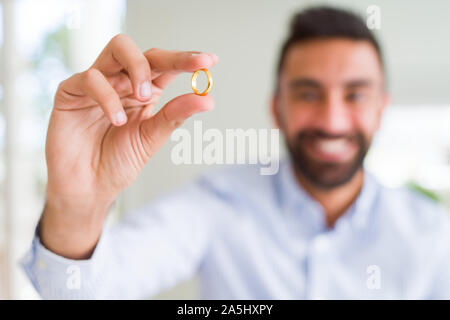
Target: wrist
point(71, 227)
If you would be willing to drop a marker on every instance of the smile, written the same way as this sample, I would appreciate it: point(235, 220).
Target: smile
point(332, 149)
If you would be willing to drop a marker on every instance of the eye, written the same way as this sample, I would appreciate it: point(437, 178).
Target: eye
point(356, 97)
point(307, 96)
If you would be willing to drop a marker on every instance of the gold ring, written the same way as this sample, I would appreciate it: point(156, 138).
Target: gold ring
point(194, 82)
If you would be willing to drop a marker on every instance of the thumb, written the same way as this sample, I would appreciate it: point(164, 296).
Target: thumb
point(157, 129)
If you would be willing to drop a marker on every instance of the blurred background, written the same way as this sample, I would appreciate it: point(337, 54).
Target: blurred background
point(43, 42)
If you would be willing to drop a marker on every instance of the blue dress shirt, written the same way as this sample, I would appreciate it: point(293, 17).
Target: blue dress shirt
point(250, 236)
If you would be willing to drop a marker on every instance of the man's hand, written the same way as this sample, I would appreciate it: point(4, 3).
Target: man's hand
point(102, 131)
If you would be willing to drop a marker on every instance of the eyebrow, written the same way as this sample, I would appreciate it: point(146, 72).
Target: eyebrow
point(311, 83)
point(304, 82)
point(359, 83)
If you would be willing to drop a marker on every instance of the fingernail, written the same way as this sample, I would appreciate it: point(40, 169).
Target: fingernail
point(120, 118)
point(145, 90)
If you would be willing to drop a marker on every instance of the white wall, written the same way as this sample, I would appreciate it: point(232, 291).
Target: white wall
point(246, 36)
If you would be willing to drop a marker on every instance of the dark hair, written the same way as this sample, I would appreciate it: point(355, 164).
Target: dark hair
point(327, 22)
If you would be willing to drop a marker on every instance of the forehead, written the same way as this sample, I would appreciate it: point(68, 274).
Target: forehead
point(332, 61)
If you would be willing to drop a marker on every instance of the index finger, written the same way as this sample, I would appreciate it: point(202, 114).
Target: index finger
point(179, 61)
point(166, 65)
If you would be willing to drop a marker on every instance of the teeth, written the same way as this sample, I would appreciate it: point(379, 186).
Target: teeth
point(332, 145)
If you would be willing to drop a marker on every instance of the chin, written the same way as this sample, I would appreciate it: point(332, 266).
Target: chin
point(327, 175)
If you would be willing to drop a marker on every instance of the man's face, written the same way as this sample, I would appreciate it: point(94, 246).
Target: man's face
point(329, 106)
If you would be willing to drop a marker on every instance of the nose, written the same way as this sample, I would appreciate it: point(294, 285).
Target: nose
point(334, 116)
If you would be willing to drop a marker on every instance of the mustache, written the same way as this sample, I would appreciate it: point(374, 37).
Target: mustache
point(316, 134)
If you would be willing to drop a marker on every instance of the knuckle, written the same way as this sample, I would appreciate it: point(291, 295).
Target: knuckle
point(119, 37)
point(140, 66)
point(62, 85)
point(176, 124)
point(150, 52)
point(173, 123)
point(110, 98)
point(67, 81)
point(90, 75)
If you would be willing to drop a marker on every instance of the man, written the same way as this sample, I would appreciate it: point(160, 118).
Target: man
point(322, 227)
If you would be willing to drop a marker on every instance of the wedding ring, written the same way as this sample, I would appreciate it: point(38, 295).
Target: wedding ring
point(194, 82)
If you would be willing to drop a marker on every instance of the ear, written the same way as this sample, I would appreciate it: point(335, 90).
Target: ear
point(385, 101)
point(275, 110)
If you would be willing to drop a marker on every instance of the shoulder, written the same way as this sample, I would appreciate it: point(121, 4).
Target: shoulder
point(412, 212)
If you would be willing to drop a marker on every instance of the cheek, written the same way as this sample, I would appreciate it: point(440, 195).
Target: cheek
point(295, 120)
point(368, 122)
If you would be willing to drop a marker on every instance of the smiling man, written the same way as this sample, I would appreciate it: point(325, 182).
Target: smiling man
point(329, 103)
point(322, 227)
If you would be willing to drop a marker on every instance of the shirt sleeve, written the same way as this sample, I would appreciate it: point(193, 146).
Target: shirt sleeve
point(441, 277)
point(149, 250)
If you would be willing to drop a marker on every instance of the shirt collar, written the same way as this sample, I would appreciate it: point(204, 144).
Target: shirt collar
point(295, 200)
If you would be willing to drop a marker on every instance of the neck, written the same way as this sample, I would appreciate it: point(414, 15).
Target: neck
point(334, 201)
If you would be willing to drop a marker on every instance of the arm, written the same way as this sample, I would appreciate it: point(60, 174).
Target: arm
point(102, 131)
point(149, 250)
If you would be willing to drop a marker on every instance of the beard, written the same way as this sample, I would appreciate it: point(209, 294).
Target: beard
point(326, 174)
